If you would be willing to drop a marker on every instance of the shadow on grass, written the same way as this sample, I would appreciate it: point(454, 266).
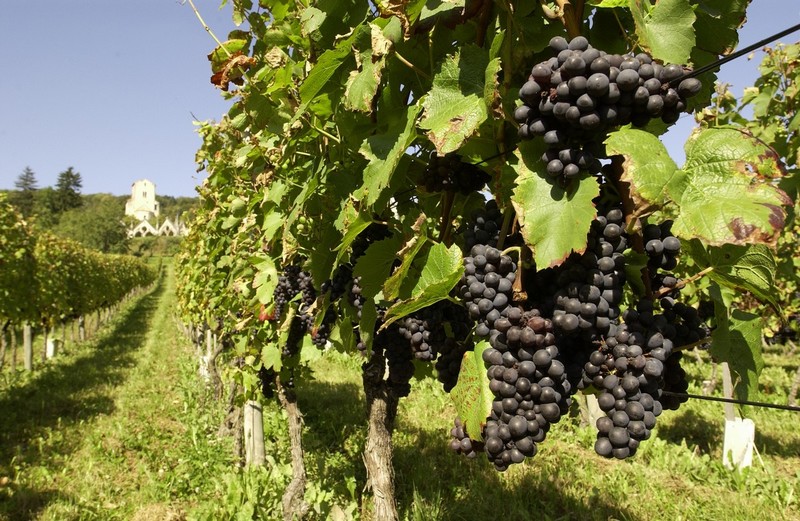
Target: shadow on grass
point(696, 429)
point(771, 445)
point(433, 483)
point(67, 392)
point(27, 502)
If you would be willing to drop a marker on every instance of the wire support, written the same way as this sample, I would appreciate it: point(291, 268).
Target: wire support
point(735, 55)
point(731, 400)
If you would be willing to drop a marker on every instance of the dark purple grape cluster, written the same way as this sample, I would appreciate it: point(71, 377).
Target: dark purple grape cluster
point(399, 358)
point(286, 290)
point(266, 378)
point(573, 99)
point(631, 369)
point(662, 249)
point(593, 283)
point(569, 333)
point(487, 286)
point(462, 443)
point(529, 382)
point(339, 284)
point(450, 174)
point(483, 227)
point(448, 363)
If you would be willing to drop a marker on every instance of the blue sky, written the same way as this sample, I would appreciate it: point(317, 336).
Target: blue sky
point(112, 87)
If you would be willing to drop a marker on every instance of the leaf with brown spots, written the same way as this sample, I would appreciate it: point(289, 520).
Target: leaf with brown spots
point(461, 98)
point(726, 195)
point(232, 71)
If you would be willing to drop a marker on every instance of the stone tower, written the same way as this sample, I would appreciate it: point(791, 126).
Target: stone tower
point(142, 204)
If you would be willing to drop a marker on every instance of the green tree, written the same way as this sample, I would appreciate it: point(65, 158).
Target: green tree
point(45, 207)
point(68, 190)
point(24, 197)
point(98, 224)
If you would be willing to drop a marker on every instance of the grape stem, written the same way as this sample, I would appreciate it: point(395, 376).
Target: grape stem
point(412, 66)
point(512, 249)
point(446, 224)
point(665, 291)
point(520, 295)
point(508, 218)
point(208, 29)
point(570, 12)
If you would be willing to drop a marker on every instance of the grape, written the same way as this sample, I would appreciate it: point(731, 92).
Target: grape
point(463, 444)
point(451, 174)
point(578, 96)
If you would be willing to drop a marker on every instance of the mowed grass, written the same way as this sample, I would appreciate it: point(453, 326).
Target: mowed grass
point(121, 427)
point(676, 475)
point(113, 429)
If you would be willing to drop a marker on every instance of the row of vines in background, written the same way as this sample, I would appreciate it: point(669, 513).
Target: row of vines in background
point(46, 280)
point(474, 190)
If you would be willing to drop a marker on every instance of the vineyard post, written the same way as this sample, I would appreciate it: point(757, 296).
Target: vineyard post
point(46, 339)
point(3, 346)
point(254, 434)
point(81, 328)
point(739, 436)
point(27, 343)
point(13, 349)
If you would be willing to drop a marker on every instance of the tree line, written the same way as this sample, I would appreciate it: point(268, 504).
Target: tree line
point(97, 221)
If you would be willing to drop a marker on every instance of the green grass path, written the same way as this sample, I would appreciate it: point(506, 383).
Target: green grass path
point(102, 433)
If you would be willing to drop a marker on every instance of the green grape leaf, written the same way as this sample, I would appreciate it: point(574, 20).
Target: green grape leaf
point(351, 222)
point(665, 29)
point(271, 356)
point(311, 20)
point(375, 265)
point(461, 98)
point(717, 23)
point(362, 85)
point(442, 269)
point(440, 8)
point(366, 324)
point(391, 289)
point(726, 196)
point(554, 221)
point(384, 152)
point(737, 341)
point(320, 77)
point(634, 264)
point(608, 4)
point(265, 279)
point(649, 172)
point(748, 267)
point(471, 395)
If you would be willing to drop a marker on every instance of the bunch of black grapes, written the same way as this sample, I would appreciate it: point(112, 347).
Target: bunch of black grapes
point(662, 249)
point(487, 286)
point(342, 283)
point(573, 99)
point(591, 285)
point(450, 174)
point(567, 332)
point(483, 226)
point(461, 443)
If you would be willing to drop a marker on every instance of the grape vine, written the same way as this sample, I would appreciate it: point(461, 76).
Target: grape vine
point(388, 153)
